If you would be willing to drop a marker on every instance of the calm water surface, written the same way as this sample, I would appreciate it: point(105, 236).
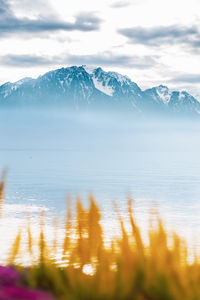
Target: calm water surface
point(53, 153)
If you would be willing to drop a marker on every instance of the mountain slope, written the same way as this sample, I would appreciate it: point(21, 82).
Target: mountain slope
point(81, 86)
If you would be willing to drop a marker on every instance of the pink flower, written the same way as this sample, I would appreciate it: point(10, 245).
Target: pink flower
point(20, 293)
point(10, 289)
point(8, 275)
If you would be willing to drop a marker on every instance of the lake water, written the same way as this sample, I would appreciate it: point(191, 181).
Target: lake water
point(52, 153)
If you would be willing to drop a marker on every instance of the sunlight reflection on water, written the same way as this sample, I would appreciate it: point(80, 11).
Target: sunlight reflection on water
point(51, 154)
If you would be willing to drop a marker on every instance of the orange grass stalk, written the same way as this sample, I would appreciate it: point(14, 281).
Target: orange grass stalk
point(68, 228)
point(15, 249)
point(127, 270)
point(2, 186)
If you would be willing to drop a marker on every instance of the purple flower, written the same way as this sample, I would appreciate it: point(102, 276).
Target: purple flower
point(8, 275)
point(9, 289)
point(20, 293)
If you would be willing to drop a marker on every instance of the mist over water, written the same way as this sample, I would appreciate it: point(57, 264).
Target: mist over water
point(51, 153)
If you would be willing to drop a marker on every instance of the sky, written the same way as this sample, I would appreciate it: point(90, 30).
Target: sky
point(152, 41)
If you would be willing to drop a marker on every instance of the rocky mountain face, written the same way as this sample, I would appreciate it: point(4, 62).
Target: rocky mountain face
point(83, 87)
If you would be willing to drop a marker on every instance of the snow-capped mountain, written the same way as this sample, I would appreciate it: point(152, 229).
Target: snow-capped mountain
point(174, 101)
point(93, 87)
point(113, 84)
point(160, 94)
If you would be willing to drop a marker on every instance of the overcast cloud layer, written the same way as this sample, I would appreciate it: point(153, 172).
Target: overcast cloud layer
point(163, 35)
point(11, 24)
point(102, 59)
point(151, 41)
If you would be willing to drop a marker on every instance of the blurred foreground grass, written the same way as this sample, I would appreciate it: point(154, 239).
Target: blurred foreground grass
point(82, 267)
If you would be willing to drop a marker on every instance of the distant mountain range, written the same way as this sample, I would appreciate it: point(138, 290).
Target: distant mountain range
point(83, 87)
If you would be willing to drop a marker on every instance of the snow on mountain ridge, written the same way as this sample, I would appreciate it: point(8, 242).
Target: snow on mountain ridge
point(102, 79)
point(23, 80)
point(106, 89)
point(120, 78)
point(164, 93)
point(101, 85)
point(89, 69)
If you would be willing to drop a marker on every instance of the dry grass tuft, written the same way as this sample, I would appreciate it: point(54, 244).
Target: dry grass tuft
point(127, 269)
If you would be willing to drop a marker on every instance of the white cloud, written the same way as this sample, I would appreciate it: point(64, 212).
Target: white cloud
point(171, 61)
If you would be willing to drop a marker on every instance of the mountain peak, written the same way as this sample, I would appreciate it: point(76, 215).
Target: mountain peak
point(90, 69)
point(161, 94)
point(164, 93)
point(162, 87)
